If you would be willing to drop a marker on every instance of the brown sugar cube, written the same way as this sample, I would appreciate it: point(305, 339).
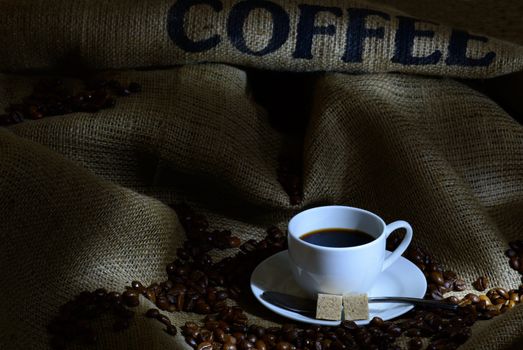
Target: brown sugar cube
point(329, 307)
point(356, 306)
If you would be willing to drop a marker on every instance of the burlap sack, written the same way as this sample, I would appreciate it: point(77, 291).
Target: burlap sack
point(298, 35)
point(450, 164)
point(83, 196)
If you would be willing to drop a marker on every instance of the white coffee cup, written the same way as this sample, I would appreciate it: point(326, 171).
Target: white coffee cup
point(333, 270)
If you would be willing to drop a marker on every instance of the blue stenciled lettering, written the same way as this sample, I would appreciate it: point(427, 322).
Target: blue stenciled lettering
point(458, 51)
point(404, 43)
point(175, 28)
point(238, 16)
point(306, 28)
point(357, 32)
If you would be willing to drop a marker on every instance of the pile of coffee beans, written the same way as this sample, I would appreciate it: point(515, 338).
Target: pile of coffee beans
point(228, 330)
point(74, 321)
point(439, 281)
point(52, 97)
point(195, 283)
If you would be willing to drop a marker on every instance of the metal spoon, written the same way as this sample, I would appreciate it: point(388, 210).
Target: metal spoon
point(308, 306)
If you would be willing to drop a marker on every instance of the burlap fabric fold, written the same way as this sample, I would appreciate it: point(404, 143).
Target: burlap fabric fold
point(84, 197)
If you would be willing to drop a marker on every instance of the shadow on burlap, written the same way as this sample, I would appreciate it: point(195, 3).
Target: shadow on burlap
point(82, 205)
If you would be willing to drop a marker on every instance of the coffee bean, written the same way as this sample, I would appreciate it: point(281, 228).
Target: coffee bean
point(233, 242)
point(137, 285)
point(260, 345)
point(150, 294)
point(164, 319)
point(114, 297)
point(514, 296)
point(447, 286)
point(152, 313)
point(245, 345)
point(481, 283)
point(251, 338)
point(14, 117)
point(499, 301)
point(460, 335)
point(202, 307)
point(349, 325)
point(376, 322)
point(509, 304)
point(450, 275)
point(191, 342)
point(465, 302)
point(239, 336)
point(162, 302)
point(490, 313)
point(492, 294)
point(440, 344)
point(413, 332)
point(415, 343)
point(171, 268)
point(284, 346)
point(131, 298)
point(204, 346)
point(514, 263)
point(230, 339)
point(502, 293)
point(482, 306)
point(437, 278)
point(473, 298)
point(100, 294)
point(219, 334)
point(452, 300)
point(205, 335)
point(171, 330)
point(459, 285)
point(394, 331)
point(229, 346)
point(123, 91)
point(434, 292)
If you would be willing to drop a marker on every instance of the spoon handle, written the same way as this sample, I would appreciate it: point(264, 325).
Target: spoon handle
point(414, 301)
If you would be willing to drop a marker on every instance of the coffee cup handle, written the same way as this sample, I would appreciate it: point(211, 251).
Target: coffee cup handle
point(403, 245)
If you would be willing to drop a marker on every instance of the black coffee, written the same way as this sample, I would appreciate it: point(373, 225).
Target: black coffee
point(337, 237)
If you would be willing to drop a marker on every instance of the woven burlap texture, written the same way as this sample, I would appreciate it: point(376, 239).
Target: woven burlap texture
point(274, 34)
point(76, 191)
point(499, 19)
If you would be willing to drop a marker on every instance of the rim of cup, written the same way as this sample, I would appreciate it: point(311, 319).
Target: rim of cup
point(343, 207)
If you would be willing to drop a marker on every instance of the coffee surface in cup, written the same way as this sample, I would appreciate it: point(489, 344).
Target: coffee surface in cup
point(337, 237)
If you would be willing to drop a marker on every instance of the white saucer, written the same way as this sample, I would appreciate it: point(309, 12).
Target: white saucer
point(402, 279)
